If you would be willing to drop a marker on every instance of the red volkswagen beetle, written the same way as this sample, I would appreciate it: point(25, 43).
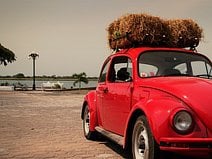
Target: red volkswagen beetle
point(153, 99)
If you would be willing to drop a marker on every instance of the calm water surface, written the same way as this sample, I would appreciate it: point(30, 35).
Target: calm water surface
point(66, 84)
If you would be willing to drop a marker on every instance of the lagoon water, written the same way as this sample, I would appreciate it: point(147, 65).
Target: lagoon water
point(66, 84)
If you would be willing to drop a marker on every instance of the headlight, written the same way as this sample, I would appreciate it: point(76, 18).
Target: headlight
point(183, 122)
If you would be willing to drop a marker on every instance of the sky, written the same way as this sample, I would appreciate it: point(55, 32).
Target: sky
point(70, 36)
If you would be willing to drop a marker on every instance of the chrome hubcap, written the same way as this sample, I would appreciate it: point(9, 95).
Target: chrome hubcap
point(87, 121)
point(141, 146)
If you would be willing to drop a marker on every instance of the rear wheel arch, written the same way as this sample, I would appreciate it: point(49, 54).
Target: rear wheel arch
point(90, 103)
point(85, 103)
point(89, 100)
point(88, 132)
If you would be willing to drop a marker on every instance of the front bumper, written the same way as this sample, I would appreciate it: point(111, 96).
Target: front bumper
point(200, 145)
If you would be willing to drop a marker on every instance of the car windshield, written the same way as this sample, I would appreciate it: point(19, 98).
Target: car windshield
point(173, 63)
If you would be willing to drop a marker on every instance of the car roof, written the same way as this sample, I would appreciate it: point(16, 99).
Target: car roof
point(134, 52)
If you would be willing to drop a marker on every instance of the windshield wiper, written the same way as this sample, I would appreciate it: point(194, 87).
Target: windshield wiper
point(204, 75)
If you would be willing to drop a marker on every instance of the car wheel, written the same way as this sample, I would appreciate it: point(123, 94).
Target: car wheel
point(90, 135)
point(143, 143)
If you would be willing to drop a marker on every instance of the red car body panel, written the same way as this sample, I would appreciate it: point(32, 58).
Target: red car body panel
point(117, 102)
point(195, 92)
point(112, 105)
point(90, 99)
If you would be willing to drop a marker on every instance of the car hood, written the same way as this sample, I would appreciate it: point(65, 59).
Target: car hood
point(195, 92)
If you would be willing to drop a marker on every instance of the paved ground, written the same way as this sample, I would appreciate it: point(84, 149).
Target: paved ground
point(48, 125)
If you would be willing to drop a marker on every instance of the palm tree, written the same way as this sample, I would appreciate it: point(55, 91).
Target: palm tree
point(6, 56)
point(81, 77)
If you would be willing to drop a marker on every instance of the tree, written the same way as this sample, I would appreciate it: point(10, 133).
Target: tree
point(6, 56)
point(19, 75)
point(81, 77)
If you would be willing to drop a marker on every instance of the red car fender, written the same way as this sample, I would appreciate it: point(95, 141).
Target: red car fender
point(158, 116)
point(90, 100)
point(134, 113)
point(158, 113)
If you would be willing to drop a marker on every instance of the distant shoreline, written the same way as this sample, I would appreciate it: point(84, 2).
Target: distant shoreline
point(47, 78)
point(27, 82)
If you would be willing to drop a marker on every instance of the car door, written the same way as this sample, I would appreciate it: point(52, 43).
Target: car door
point(116, 97)
point(100, 91)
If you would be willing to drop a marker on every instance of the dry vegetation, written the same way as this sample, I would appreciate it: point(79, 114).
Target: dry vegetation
point(134, 30)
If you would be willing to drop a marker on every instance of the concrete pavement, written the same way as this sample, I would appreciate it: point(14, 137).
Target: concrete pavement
point(47, 125)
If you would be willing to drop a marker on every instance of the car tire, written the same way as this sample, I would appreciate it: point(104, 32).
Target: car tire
point(143, 143)
point(90, 135)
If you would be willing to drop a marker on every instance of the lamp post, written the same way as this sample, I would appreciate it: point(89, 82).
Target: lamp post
point(33, 55)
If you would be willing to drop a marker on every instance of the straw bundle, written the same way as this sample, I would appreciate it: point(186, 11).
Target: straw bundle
point(184, 33)
point(134, 30)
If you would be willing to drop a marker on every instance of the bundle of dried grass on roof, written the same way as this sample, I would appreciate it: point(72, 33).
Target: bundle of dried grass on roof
point(184, 33)
point(136, 29)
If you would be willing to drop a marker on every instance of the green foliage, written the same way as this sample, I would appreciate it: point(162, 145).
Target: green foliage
point(19, 75)
point(4, 84)
point(81, 77)
point(6, 56)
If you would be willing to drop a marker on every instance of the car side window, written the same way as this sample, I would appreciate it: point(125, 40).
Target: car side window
point(120, 69)
point(102, 77)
